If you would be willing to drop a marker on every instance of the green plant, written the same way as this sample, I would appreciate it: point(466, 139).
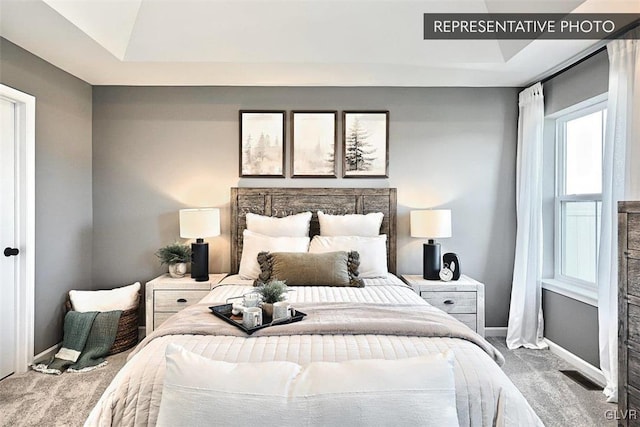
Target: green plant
point(174, 253)
point(272, 291)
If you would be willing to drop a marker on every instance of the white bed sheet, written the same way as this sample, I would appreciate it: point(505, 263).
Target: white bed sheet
point(376, 291)
point(484, 395)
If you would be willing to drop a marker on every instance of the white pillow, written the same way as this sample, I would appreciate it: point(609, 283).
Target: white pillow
point(372, 250)
point(289, 226)
point(123, 298)
point(350, 225)
point(254, 243)
point(413, 391)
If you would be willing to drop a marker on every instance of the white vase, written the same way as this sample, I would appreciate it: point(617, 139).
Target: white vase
point(177, 270)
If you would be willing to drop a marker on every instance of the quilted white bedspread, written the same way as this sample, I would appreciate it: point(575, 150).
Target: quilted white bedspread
point(484, 394)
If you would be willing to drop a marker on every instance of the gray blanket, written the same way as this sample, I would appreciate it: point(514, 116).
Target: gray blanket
point(99, 342)
point(333, 319)
point(87, 339)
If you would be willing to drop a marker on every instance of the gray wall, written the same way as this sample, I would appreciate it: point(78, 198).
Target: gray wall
point(156, 150)
point(571, 324)
point(586, 80)
point(63, 183)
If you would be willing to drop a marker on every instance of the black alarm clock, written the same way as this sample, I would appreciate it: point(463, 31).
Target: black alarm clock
point(451, 261)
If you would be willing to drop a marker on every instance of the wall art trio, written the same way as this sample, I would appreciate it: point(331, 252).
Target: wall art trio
point(314, 144)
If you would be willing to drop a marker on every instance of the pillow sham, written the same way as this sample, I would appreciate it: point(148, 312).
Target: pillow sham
point(289, 226)
point(197, 390)
point(123, 298)
point(254, 243)
point(350, 225)
point(307, 269)
point(372, 250)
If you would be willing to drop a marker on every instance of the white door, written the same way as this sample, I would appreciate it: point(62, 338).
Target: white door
point(7, 238)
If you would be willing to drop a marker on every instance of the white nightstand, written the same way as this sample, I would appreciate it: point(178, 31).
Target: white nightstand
point(463, 298)
point(166, 296)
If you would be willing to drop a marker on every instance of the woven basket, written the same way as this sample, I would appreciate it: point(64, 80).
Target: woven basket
point(127, 333)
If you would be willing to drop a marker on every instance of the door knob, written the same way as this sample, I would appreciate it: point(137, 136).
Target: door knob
point(11, 251)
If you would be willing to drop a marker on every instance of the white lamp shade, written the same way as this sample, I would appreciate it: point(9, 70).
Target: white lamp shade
point(199, 223)
point(431, 224)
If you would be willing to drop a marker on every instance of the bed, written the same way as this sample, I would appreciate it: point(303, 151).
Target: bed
point(483, 395)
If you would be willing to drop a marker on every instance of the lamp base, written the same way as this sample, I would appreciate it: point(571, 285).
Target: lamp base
point(431, 260)
point(200, 261)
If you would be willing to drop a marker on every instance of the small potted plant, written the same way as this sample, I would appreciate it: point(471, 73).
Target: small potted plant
point(176, 256)
point(272, 291)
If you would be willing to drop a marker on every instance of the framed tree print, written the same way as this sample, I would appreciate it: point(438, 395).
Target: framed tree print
point(365, 148)
point(262, 144)
point(313, 144)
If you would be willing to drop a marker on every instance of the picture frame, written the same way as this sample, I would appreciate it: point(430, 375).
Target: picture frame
point(262, 144)
point(314, 142)
point(365, 144)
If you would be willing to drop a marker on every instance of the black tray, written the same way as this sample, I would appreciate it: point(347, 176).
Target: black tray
point(224, 312)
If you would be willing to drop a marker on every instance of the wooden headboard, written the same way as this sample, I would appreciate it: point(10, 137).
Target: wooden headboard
point(281, 202)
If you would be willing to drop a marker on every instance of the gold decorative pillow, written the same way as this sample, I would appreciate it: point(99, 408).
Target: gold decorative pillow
point(307, 269)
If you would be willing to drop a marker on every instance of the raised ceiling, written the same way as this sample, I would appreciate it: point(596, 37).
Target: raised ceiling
point(282, 43)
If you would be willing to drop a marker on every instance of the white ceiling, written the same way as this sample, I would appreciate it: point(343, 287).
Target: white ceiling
point(283, 43)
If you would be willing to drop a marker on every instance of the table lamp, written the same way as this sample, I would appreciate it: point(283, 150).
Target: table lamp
point(198, 224)
point(431, 224)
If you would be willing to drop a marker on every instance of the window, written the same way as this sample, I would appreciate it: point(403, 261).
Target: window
point(578, 201)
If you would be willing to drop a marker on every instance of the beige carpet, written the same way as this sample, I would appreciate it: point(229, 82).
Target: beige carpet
point(559, 401)
point(35, 399)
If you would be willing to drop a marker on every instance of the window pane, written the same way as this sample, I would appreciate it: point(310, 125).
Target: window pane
point(583, 173)
point(580, 238)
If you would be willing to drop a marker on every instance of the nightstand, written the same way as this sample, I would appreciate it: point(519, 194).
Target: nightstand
point(166, 296)
point(462, 299)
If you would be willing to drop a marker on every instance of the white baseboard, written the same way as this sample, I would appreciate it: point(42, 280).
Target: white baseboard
point(495, 331)
point(47, 354)
point(585, 368)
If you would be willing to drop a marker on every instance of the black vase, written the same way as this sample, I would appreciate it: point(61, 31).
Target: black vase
point(451, 260)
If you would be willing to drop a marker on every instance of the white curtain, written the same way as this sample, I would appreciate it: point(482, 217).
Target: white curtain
point(525, 314)
point(621, 142)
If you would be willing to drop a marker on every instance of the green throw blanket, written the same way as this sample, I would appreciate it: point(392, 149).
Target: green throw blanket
point(87, 340)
